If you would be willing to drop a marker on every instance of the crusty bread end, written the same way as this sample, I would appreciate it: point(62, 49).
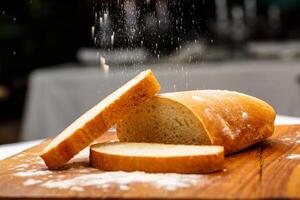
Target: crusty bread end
point(98, 119)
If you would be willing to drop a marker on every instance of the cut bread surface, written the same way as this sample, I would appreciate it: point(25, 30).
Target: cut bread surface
point(153, 157)
point(163, 120)
point(231, 119)
point(98, 119)
point(156, 150)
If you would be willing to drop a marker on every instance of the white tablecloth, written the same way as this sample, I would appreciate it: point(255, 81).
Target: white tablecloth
point(11, 149)
point(58, 96)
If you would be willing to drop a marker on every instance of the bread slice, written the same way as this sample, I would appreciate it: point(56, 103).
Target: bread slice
point(225, 118)
point(158, 158)
point(98, 119)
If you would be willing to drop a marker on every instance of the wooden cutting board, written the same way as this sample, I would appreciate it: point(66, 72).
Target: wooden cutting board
point(270, 169)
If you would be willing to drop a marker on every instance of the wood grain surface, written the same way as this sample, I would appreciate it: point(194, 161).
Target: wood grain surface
point(270, 169)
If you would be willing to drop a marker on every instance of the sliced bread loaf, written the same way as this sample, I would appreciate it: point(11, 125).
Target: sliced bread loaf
point(225, 118)
point(98, 119)
point(159, 158)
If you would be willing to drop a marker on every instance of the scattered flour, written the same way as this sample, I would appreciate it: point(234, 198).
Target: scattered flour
point(84, 171)
point(122, 180)
point(208, 113)
point(293, 156)
point(39, 161)
point(197, 98)
point(18, 169)
point(32, 181)
point(226, 129)
point(245, 115)
point(33, 173)
point(291, 140)
point(23, 165)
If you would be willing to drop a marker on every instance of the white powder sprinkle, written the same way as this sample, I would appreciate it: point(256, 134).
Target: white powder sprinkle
point(197, 98)
point(33, 173)
point(122, 180)
point(286, 139)
point(226, 129)
point(104, 66)
point(84, 171)
point(245, 115)
point(40, 162)
point(207, 110)
point(22, 166)
point(32, 181)
point(19, 169)
point(293, 156)
point(208, 113)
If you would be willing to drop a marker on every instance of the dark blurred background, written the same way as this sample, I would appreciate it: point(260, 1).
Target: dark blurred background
point(37, 34)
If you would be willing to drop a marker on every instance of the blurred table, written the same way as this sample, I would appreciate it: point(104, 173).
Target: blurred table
point(11, 149)
point(57, 96)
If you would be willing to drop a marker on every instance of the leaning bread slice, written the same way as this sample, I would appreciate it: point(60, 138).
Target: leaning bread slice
point(97, 120)
point(230, 119)
point(158, 158)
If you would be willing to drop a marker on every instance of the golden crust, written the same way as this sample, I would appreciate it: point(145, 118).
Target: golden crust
point(97, 120)
point(60, 154)
point(231, 119)
point(192, 164)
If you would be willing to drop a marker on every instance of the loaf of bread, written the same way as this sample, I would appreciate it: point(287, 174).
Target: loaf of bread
point(98, 119)
point(204, 117)
point(158, 158)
